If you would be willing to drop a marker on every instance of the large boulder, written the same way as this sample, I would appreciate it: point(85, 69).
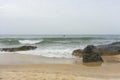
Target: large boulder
point(91, 54)
point(109, 49)
point(22, 48)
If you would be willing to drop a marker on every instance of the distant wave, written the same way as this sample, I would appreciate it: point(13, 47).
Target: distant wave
point(30, 41)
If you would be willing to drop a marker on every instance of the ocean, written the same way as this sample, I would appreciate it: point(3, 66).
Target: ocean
point(57, 46)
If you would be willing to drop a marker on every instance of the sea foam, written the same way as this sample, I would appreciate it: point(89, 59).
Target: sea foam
point(56, 53)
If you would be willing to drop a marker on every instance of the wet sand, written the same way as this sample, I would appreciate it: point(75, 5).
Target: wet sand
point(28, 67)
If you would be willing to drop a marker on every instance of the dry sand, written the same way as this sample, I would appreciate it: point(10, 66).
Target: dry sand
point(37, 68)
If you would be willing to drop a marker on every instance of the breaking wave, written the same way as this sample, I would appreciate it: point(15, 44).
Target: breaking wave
point(30, 41)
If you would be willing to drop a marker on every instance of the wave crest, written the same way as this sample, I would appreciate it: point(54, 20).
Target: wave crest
point(30, 41)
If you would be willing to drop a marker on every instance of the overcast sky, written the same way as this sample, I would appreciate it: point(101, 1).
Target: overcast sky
point(59, 16)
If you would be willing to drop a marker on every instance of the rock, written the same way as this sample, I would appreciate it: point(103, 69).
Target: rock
point(91, 54)
point(22, 48)
point(105, 50)
point(115, 43)
point(110, 49)
point(77, 52)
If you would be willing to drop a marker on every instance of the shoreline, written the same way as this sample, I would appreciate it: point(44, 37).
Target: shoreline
point(15, 58)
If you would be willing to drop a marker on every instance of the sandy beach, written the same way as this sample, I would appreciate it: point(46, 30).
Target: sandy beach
point(29, 67)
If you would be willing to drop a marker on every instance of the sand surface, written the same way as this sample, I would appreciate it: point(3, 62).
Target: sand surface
point(51, 70)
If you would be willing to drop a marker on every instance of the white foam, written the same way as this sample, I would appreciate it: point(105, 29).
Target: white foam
point(30, 41)
point(57, 53)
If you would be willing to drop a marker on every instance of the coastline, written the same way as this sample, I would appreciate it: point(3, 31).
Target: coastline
point(15, 58)
point(32, 67)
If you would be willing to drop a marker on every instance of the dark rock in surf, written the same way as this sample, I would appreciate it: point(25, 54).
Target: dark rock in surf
point(105, 50)
point(91, 54)
point(22, 48)
point(110, 49)
point(77, 52)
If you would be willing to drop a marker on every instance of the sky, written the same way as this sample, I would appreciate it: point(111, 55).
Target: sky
point(59, 16)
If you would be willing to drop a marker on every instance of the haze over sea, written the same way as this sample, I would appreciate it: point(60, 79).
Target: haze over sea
point(59, 46)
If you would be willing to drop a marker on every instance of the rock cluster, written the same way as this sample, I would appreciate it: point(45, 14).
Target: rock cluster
point(93, 53)
point(22, 48)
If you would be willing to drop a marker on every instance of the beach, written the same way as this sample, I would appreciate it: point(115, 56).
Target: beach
point(59, 39)
point(50, 58)
point(25, 67)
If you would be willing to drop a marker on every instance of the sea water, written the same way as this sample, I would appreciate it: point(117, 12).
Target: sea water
point(59, 46)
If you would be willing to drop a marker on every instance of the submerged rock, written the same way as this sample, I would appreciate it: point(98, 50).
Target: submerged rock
point(91, 54)
point(22, 48)
point(77, 52)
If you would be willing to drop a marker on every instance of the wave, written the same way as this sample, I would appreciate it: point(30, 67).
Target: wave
point(45, 49)
point(56, 53)
point(56, 41)
point(9, 41)
point(30, 41)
